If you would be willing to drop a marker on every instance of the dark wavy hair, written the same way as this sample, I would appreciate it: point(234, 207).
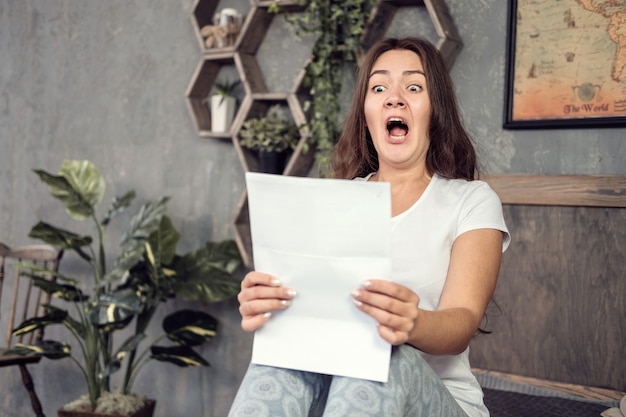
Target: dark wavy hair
point(451, 153)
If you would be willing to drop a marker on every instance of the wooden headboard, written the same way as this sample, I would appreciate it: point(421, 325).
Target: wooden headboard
point(562, 281)
point(560, 190)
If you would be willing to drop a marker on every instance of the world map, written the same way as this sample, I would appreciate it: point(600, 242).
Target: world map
point(570, 59)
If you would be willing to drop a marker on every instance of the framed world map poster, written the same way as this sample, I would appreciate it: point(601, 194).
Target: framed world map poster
point(566, 64)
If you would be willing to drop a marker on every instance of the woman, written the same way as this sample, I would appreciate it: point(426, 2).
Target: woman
point(448, 235)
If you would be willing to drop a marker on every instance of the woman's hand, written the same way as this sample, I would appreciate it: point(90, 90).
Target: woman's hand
point(393, 306)
point(260, 295)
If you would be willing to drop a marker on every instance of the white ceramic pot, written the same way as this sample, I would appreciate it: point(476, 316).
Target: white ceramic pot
point(222, 113)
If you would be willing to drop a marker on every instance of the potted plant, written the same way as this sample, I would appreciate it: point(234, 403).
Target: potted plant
point(273, 138)
point(146, 274)
point(222, 105)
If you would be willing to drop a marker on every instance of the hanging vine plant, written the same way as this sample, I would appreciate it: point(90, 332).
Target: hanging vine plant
point(337, 26)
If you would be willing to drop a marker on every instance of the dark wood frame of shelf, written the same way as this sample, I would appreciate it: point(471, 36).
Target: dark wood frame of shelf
point(200, 87)
point(449, 43)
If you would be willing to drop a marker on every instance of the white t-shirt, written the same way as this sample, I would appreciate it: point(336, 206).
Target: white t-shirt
point(422, 239)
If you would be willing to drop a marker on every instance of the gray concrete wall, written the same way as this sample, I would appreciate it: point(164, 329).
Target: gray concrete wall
point(105, 80)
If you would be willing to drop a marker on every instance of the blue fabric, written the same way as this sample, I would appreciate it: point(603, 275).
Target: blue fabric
point(413, 390)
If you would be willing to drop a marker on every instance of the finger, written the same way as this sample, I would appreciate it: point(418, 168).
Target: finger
point(392, 336)
point(387, 303)
point(252, 323)
point(391, 289)
point(264, 292)
point(259, 278)
point(386, 311)
point(260, 307)
point(385, 318)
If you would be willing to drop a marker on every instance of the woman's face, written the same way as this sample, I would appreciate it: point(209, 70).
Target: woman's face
point(397, 110)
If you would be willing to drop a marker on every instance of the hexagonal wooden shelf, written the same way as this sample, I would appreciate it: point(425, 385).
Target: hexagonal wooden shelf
point(257, 105)
point(449, 43)
point(200, 87)
point(201, 16)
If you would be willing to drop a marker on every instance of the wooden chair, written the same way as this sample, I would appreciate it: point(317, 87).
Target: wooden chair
point(25, 302)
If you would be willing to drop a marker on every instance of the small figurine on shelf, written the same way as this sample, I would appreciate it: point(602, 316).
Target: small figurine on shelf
point(273, 137)
point(224, 31)
point(222, 104)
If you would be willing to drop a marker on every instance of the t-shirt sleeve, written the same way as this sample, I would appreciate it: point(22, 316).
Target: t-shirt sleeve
point(482, 209)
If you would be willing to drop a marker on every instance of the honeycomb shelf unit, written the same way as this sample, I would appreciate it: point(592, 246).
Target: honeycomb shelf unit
point(257, 99)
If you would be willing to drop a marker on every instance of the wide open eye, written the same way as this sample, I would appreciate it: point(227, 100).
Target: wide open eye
point(415, 88)
point(378, 89)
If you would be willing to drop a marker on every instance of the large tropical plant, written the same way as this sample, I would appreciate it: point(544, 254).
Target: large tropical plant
point(146, 273)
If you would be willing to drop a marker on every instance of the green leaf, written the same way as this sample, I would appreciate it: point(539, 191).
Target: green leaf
point(113, 311)
point(178, 355)
point(60, 238)
point(65, 292)
point(85, 179)
point(79, 187)
point(118, 205)
point(142, 226)
point(47, 348)
point(146, 221)
point(55, 316)
point(190, 327)
point(207, 273)
point(132, 255)
point(165, 240)
point(42, 271)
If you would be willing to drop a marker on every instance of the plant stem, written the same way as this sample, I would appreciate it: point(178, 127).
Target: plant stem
point(143, 319)
point(101, 254)
point(106, 340)
point(92, 364)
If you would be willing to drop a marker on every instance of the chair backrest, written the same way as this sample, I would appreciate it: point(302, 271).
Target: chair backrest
point(18, 293)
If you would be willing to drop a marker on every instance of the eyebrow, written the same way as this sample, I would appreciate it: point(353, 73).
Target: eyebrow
point(404, 73)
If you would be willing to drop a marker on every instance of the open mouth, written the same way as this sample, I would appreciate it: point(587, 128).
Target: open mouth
point(396, 127)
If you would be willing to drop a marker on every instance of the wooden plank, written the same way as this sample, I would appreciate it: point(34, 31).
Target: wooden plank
point(560, 190)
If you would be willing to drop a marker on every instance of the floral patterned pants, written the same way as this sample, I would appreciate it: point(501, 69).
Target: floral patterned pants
point(413, 390)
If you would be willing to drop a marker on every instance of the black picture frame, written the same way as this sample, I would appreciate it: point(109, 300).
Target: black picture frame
point(578, 121)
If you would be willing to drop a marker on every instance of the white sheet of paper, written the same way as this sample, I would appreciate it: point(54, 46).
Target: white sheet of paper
point(324, 238)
